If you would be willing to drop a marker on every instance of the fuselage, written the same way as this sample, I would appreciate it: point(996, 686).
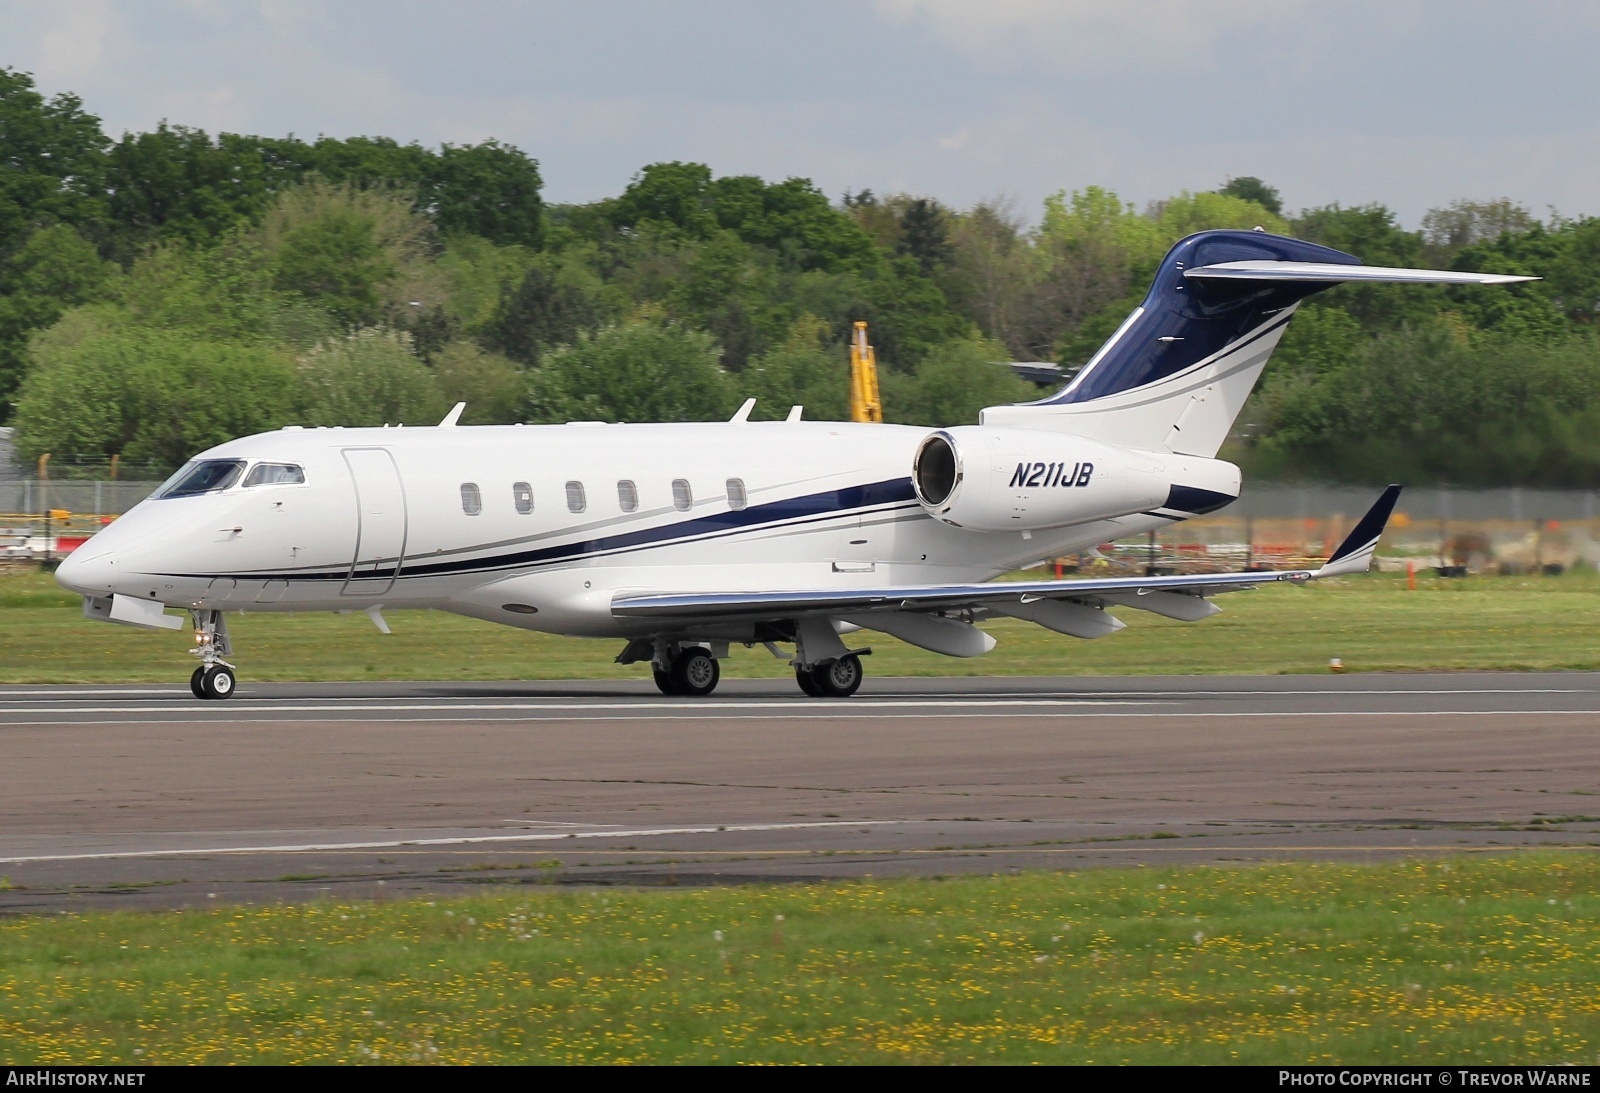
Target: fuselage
point(538, 526)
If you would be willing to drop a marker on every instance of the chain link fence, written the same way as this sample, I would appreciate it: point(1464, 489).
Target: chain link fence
point(1459, 531)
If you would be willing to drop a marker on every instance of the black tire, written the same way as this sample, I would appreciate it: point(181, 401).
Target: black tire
point(839, 678)
point(218, 682)
point(695, 672)
point(664, 682)
point(807, 681)
point(195, 683)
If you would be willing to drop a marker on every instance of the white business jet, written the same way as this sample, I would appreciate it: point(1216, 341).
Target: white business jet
point(680, 539)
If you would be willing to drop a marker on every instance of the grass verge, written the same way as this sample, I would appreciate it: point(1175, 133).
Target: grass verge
point(1372, 623)
point(1471, 959)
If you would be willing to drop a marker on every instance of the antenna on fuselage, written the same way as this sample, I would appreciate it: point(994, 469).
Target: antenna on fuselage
point(453, 416)
point(743, 412)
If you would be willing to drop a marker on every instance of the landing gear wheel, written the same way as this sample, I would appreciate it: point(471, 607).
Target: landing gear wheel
point(807, 681)
point(840, 678)
point(695, 672)
point(664, 682)
point(195, 682)
point(217, 681)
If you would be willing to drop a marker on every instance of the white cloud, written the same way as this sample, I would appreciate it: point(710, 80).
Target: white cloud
point(1089, 37)
point(1407, 102)
point(73, 42)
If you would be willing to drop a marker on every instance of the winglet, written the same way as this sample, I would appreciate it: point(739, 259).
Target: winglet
point(1355, 553)
point(453, 416)
point(743, 412)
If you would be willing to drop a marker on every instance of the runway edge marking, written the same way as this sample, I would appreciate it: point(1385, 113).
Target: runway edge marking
point(448, 840)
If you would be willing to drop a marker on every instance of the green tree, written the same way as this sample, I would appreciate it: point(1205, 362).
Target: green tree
point(992, 277)
point(363, 255)
point(544, 310)
point(491, 190)
point(52, 162)
point(1574, 276)
point(925, 234)
point(222, 292)
point(729, 288)
point(807, 369)
point(792, 218)
point(952, 384)
point(494, 389)
point(177, 183)
point(368, 377)
point(54, 269)
point(155, 396)
point(1188, 213)
point(641, 370)
point(1252, 189)
point(1460, 224)
point(676, 194)
point(1430, 405)
point(1371, 233)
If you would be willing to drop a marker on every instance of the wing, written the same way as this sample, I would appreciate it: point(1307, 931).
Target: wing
point(1072, 607)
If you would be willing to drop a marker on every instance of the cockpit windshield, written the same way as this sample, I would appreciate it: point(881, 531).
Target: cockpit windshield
point(202, 476)
point(275, 474)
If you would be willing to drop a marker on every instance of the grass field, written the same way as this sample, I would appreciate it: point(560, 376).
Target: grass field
point(1479, 959)
point(1372, 623)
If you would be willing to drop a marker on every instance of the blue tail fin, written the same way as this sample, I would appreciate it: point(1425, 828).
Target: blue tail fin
point(1177, 372)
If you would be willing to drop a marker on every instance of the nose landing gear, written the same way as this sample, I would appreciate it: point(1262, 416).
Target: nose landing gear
point(216, 681)
point(214, 678)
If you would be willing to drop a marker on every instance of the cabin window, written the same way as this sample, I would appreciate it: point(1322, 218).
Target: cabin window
point(737, 497)
point(682, 495)
point(275, 474)
point(627, 495)
point(522, 494)
point(202, 476)
point(471, 498)
point(576, 501)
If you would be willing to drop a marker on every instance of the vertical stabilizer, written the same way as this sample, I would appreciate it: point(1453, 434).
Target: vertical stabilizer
point(1177, 372)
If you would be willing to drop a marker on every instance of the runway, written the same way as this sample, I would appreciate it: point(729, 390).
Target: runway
point(142, 796)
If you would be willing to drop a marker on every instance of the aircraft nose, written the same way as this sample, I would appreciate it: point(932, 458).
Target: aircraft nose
point(87, 571)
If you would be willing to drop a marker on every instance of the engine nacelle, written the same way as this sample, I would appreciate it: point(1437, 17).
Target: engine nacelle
point(998, 478)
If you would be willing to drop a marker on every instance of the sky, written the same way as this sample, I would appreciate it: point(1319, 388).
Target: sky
point(1410, 103)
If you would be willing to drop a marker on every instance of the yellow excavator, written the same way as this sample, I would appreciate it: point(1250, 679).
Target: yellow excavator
point(865, 405)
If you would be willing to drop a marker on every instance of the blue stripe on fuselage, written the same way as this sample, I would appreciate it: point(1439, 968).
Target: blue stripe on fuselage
point(791, 511)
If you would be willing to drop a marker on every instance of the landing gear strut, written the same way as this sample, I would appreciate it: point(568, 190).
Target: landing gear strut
point(214, 678)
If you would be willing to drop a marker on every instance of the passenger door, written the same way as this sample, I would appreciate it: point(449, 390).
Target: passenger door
point(380, 522)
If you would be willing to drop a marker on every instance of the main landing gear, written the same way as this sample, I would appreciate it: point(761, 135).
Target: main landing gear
point(836, 679)
point(692, 671)
point(214, 678)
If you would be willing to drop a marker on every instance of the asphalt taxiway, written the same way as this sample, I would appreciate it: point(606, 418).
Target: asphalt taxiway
point(142, 796)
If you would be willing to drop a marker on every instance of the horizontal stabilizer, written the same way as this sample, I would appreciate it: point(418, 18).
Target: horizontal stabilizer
point(1335, 273)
